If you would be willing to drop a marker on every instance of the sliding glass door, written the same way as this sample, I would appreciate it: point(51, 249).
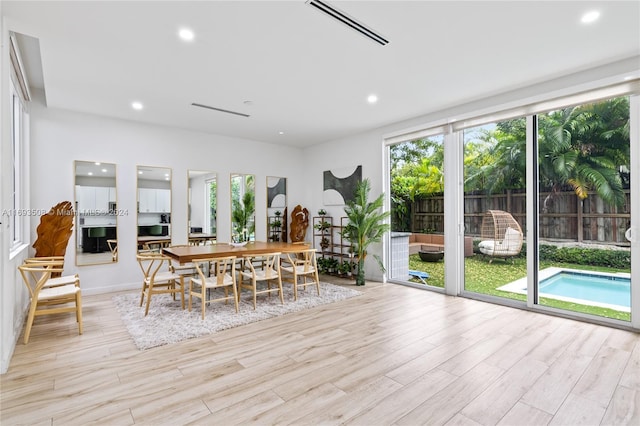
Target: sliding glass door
point(417, 212)
point(585, 208)
point(495, 209)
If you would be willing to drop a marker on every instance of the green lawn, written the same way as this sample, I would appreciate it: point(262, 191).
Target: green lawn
point(484, 277)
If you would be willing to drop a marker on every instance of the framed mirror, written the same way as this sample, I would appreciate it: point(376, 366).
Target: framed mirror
point(203, 204)
point(96, 213)
point(154, 208)
point(243, 211)
point(276, 208)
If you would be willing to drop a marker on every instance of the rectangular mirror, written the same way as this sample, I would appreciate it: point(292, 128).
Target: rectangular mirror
point(96, 213)
point(203, 204)
point(243, 202)
point(154, 208)
point(276, 208)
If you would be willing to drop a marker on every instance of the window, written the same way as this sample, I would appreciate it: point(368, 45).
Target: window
point(19, 95)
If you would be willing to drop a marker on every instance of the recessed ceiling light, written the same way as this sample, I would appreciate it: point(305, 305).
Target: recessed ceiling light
point(186, 34)
point(372, 99)
point(590, 17)
point(97, 163)
point(137, 105)
point(629, 77)
point(104, 170)
point(139, 172)
point(90, 173)
point(281, 133)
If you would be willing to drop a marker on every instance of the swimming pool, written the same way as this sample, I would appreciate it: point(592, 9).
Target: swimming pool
point(583, 287)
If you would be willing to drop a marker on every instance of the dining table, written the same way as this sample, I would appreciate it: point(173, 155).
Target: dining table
point(186, 254)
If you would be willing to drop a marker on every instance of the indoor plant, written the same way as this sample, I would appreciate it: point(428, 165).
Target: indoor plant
point(366, 225)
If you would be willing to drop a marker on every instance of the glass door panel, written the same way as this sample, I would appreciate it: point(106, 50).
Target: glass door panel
point(417, 212)
point(585, 209)
point(495, 209)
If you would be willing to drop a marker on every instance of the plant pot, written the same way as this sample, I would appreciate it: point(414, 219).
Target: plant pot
point(431, 256)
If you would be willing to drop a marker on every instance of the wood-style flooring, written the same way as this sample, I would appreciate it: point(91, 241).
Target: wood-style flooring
point(393, 356)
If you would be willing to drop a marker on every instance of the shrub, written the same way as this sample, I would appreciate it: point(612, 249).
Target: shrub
point(620, 259)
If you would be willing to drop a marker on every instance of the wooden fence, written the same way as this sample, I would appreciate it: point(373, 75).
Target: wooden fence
point(567, 217)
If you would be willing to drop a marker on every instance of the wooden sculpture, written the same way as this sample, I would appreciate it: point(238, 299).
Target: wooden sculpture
point(55, 230)
point(299, 223)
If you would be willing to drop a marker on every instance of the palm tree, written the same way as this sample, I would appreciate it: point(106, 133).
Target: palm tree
point(579, 147)
point(366, 225)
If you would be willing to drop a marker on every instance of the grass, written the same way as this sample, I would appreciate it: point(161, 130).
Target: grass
point(484, 278)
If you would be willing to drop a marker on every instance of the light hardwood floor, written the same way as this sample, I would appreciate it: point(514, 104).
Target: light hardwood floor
point(395, 355)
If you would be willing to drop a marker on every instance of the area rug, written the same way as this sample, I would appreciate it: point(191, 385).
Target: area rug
point(168, 323)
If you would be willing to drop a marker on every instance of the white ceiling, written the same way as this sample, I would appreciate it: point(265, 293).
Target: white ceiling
point(306, 74)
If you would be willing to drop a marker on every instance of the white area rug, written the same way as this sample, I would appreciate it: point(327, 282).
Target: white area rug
point(168, 323)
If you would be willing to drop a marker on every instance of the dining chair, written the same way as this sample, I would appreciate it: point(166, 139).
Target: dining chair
point(113, 247)
point(187, 269)
point(270, 271)
point(159, 281)
point(213, 274)
point(56, 278)
point(50, 295)
point(301, 269)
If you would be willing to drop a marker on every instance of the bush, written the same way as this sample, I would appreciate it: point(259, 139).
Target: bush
point(620, 259)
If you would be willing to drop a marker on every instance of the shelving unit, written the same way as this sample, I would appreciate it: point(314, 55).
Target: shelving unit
point(274, 226)
point(333, 249)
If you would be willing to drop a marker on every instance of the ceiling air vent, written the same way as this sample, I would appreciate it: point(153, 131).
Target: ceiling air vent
point(347, 20)
point(220, 109)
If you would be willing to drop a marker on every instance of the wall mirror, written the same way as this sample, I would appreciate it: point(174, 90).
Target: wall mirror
point(154, 208)
point(243, 212)
point(96, 213)
point(203, 203)
point(276, 208)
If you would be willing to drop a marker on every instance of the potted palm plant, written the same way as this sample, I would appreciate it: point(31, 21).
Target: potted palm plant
point(365, 225)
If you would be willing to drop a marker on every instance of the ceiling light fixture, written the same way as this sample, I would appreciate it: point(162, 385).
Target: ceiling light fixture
point(372, 99)
point(347, 20)
point(590, 17)
point(281, 133)
point(220, 109)
point(137, 105)
point(186, 34)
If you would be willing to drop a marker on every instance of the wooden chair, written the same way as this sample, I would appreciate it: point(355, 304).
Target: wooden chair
point(113, 247)
point(56, 279)
point(46, 297)
point(301, 265)
point(157, 281)
point(154, 246)
point(212, 274)
point(270, 271)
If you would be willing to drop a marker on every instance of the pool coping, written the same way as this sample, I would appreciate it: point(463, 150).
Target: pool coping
point(518, 285)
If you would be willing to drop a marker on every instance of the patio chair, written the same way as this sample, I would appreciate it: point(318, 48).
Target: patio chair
point(501, 235)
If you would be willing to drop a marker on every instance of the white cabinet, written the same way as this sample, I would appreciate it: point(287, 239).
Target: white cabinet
point(102, 199)
point(146, 200)
point(112, 195)
point(154, 200)
point(163, 200)
point(92, 199)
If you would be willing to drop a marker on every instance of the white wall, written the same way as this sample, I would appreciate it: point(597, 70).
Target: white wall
point(59, 137)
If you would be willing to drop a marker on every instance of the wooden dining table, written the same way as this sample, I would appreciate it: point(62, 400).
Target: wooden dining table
point(186, 254)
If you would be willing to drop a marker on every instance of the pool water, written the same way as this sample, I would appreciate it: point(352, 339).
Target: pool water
point(595, 288)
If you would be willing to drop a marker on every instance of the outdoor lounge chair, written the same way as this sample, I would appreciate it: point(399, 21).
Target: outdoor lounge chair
point(501, 235)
